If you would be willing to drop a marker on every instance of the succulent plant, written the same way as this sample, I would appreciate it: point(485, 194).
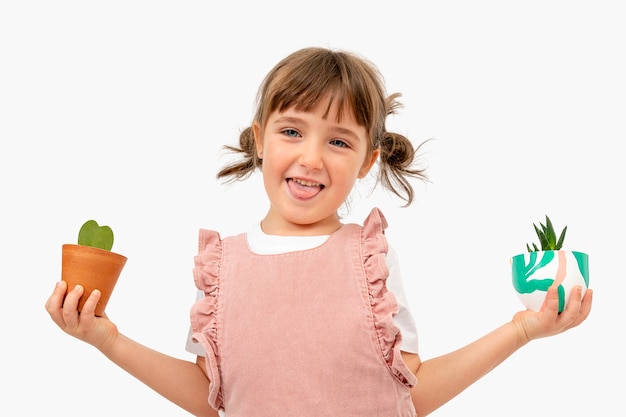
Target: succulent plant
point(547, 237)
point(92, 234)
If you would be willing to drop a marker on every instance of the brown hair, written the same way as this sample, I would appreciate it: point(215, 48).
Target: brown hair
point(302, 80)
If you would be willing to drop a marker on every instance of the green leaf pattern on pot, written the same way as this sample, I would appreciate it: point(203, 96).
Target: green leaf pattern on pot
point(92, 234)
point(534, 272)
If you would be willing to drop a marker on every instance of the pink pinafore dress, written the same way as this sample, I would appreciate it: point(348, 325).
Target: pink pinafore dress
point(305, 333)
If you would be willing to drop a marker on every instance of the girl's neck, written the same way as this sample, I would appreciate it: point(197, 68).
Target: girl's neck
point(280, 227)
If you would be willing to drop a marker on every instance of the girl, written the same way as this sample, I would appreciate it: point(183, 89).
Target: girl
point(304, 315)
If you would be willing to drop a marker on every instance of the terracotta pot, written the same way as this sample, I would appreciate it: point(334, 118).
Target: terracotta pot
point(93, 268)
point(534, 272)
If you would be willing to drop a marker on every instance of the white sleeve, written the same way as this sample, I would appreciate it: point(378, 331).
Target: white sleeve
point(404, 318)
point(191, 346)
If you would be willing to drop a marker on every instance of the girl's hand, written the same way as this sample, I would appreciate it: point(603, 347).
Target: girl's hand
point(548, 321)
point(97, 331)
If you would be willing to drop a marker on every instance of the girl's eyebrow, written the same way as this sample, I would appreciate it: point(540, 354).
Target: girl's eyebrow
point(344, 131)
point(288, 119)
point(338, 129)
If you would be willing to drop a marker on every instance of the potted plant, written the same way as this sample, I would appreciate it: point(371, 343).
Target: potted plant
point(536, 270)
point(91, 263)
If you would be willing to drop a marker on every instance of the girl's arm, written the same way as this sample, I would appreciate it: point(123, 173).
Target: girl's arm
point(442, 378)
point(182, 382)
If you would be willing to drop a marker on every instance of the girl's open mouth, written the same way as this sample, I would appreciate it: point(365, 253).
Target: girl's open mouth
point(304, 189)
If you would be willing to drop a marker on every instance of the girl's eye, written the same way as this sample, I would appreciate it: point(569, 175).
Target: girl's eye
point(339, 143)
point(291, 133)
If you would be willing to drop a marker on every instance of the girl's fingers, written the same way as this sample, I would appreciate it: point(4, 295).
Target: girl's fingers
point(70, 306)
point(586, 305)
point(572, 310)
point(54, 304)
point(584, 308)
point(551, 303)
point(56, 299)
point(89, 308)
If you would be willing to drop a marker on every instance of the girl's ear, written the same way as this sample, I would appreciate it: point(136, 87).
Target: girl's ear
point(258, 138)
point(369, 162)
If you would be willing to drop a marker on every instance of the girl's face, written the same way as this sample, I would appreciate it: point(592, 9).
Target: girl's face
point(310, 164)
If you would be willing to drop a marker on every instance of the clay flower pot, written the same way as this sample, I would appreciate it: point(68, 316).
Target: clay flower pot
point(534, 272)
point(93, 268)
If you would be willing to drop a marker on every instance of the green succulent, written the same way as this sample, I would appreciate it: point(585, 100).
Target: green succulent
point(547, 237)
point(92, 234)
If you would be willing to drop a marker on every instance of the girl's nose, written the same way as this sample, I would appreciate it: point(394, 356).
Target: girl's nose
point(311, 157)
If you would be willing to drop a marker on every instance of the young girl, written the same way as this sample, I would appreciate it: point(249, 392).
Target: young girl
point(303, 315)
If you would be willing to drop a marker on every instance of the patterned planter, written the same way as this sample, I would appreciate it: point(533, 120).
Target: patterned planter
point(534, 272)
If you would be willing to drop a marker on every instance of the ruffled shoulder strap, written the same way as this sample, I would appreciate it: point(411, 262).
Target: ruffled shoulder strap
point(204, 312)
point(208, 260)
point(383, 303)
point(374, 233)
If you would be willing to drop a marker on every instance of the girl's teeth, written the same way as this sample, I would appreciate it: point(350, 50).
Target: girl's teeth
point(307, 183)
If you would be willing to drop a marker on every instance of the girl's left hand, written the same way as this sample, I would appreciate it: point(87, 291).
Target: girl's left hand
point(548, 321)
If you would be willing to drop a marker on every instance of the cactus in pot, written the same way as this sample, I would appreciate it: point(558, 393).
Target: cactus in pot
point(91, 263)
point(539, 268)
point(547, 237)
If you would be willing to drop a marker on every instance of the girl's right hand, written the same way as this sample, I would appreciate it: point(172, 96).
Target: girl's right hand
point(86, 326)
point(548, 321)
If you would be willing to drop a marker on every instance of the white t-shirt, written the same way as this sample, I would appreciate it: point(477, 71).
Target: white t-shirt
point(264, 244)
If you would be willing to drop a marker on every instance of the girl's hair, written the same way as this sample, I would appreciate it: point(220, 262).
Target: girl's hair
point(302, 80)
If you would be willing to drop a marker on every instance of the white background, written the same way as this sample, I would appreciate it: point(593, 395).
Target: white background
point(118, 110)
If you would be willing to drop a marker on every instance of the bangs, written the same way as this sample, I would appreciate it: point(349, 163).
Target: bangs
point(304, 80)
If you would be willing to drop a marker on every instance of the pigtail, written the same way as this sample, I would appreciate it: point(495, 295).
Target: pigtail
point(397, 159)
point(244, 167)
